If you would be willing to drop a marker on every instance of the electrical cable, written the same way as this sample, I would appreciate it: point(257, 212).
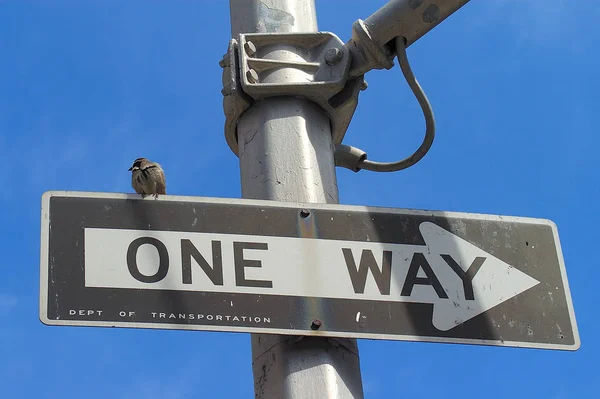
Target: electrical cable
point(427, 113)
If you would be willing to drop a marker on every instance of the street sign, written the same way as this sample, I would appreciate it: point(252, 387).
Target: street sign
point(236, 265)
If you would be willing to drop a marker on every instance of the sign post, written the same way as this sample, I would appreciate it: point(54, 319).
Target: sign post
point(285, 149)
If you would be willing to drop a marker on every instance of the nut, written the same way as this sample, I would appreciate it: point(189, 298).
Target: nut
point(250, 48)
point(333, 56)
point(316, 324)
point(224, 61)
point(252, 76)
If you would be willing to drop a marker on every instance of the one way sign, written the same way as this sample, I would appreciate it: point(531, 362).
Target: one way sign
point(309, 269)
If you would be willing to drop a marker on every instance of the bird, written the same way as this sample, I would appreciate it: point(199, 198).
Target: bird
point(147, 178)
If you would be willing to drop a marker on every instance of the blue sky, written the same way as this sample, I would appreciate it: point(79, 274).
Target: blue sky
point(88, 86)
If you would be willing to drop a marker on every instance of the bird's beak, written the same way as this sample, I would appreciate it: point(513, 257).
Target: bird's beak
point(130, 169)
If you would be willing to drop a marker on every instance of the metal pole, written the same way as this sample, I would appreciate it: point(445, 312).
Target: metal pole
point(409, 18)
point(286, 154)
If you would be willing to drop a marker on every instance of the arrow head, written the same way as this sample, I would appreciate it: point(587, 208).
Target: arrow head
point(493, 283)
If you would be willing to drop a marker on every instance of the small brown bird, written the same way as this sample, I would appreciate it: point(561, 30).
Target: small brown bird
point(147, 178)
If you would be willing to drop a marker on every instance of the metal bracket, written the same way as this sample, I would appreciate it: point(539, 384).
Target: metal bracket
point(367, 52)
point(235, 101)
point(349, 157)
point(253, 70)
point(318, 73)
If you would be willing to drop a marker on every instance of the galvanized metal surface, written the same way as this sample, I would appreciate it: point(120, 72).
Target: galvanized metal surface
point(293, 63)
point(410, 19)
point(311, 65)
point(286, 154)
point(371, 45)
point(541, 316)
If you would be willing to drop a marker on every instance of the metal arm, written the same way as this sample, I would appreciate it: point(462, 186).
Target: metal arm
point(410, 18)
point(371, 44)
point(356, 159)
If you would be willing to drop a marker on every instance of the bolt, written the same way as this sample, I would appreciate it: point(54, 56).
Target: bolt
point(333, 56)
point(224, 61)
point(252, 76)
point(364, 85)
point(250, 48)
point(315, 324)
point(304, 213)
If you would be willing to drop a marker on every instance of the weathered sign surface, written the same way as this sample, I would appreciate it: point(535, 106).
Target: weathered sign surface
point(310, 269)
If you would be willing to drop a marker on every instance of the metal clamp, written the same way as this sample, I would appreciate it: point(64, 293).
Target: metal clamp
point(318, 73)
point(367, 52)
point(235, 101)
point(253, 70)
point(324, 72)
